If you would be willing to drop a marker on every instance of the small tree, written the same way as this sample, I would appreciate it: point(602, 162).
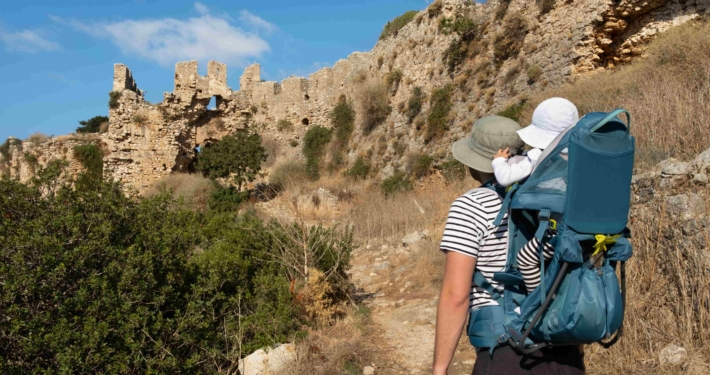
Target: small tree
point(314, 144)
point(92, 125)
point(239, 155)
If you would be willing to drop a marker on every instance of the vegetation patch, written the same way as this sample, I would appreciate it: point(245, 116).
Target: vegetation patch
point(113, 99)
point(360, 169)
point(393, 79)
point(5, 150)
point(501, 9)
point(435, 8)
point(545, 5)
point(288, 173)
point(508, 42)
point(438, 119)
point(397, 183)
point(393, 27)
point(513, 111)
point(238, 156)
point(421, 165)
point(92, 125)
point(314, 144)
point(534, 73)
point(284, 125)
point(464, 44)
point(453, 170)
point(342, 118)
point(92, 159)
point(37, 139)
point(414, 105)
point(374, 106)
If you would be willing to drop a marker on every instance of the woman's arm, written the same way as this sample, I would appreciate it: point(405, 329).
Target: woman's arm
point(453, 308)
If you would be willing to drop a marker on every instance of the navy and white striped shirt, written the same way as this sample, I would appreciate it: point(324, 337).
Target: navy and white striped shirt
point(470, 231)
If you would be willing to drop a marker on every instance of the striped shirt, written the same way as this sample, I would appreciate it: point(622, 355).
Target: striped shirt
point(529, 262)
point(470, 231)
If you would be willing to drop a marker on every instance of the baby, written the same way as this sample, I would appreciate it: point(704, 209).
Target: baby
point(550, 118)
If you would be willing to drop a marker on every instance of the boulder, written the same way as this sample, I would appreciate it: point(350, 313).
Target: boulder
point(266, 363)
point(672, 167)
point(673, 354)
point(413, 238)
point(703, 158)
point(700, 178)
point(687, 206)
point(368, 370)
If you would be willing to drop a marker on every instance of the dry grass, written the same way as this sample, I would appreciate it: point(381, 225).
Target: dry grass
point(667, 93)
point(342, 348)
point(193, 188)
point(272, 148)
point(668, 300)
point(374, 108)
point(37, 139)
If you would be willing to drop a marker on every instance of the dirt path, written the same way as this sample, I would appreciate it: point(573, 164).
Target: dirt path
point(405, 319)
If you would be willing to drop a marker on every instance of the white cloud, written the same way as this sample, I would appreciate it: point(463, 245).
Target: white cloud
point(169, 40)
point(257, 22)
point(27, 41)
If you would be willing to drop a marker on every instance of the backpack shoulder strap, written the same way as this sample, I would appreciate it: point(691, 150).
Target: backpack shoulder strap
point(481, 282)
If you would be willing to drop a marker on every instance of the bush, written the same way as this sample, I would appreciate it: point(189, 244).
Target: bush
point(360, 169)
point(271, 150)
point(435, 8)
point(422, 165)
point(314, 143)
point(462, 46)
point(113, 99)
point(238, 156)
point(193, 189)
point(374, 106)
point(288, 173)
point(92, 159)
point(5, 150)
point(513, 111)
point(453, 170)
point(414, 105)
point(438, 119)
point(342, 119)
point(393, 79)
point(254, 109)
point(118, 284)
point(393, 27)
point(501, 9)
point(534, 73)
point(284, 125)
point(226, 199)
point(293, 143)
point(397, 183)
point(92, 125)
point(507, 44)
point(140, 119)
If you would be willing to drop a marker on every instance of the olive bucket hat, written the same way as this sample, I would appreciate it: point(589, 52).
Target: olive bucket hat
point(489, 134)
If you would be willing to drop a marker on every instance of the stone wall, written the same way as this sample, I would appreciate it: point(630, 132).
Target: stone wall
point(146, 142)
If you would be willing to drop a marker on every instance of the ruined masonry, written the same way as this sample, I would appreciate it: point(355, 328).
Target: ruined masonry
point(146, 142)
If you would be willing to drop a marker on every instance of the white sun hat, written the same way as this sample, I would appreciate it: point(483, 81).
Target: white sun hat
point(550, 118)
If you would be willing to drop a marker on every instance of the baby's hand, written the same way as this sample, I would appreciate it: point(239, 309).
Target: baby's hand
point(502, 154)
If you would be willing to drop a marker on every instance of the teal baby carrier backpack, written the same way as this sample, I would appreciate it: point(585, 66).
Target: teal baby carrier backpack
point(577, 199)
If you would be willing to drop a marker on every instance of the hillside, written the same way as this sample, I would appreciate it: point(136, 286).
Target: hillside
point(344, 262)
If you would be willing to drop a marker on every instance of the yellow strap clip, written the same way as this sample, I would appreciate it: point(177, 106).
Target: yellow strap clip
point(602, 241)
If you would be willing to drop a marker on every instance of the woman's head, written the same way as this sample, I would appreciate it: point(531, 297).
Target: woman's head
point(550, 118)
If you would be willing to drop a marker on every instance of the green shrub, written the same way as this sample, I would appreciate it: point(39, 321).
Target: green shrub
point(374, 106)
point(461, 47)
point(422, 165)
point(100, 281)
point(414, 105)
point(92, 125)
point(284, 125)
point(393, 79)
point(254, 109)
point(287, 173)
point(513, 111)
point(438, 119)
point(113, 99)
point(393, 27)
point(534, 73)
point(508, 42)
point(293, 143)
point(238, 156)
point(5, 149)
point(342, 118)
point(226, 199)
point(91, 158)
point(314, 143)
point(453, 170)
point(360, 169)
point(397, 183)
point(435, 8)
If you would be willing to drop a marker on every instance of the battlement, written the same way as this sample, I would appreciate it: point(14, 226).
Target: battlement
point(123, 79)
point(189, 84)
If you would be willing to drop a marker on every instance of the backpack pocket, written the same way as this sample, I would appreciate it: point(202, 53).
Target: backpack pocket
point(588, 307)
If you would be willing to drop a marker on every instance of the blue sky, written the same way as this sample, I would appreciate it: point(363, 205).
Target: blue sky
point(56, 57)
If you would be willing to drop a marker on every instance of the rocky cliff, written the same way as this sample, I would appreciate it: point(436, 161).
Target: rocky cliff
point(488, 56)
